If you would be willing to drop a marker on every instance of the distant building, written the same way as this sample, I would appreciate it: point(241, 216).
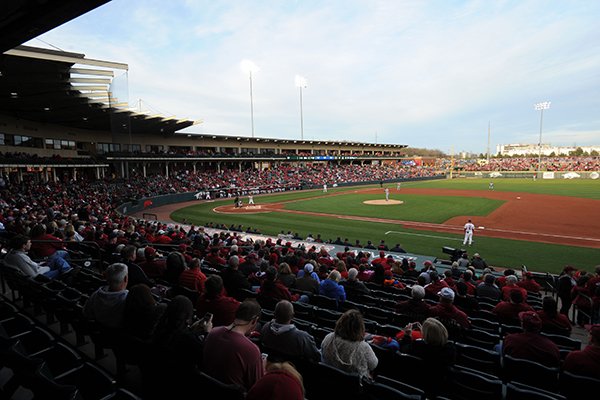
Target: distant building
point(518, 149)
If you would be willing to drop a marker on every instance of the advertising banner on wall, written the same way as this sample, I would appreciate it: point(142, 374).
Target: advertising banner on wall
point(548, 175)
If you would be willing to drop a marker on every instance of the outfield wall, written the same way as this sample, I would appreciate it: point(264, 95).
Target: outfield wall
point(528, 174)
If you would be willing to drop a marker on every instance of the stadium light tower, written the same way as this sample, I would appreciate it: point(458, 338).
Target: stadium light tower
point(301, 83)
point(541, 107)
point(248, 67)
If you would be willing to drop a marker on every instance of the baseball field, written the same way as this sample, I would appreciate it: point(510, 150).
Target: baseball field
point(543, 224)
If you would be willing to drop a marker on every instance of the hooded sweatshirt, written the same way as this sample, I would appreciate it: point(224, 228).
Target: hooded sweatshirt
point(289, 340)
point(106, 307)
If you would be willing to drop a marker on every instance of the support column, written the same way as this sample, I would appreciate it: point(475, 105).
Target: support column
point(98, 173)
point(144, 169)
point(194, 167)
point(75, 174)
point(167, 169)
point(46, 174)
point(122, 169)
point(239, 166)
point(54, 177)
point(218, 166)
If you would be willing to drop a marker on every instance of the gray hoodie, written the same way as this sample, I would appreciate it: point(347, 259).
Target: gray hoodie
point(289, 340)
point(106, 307)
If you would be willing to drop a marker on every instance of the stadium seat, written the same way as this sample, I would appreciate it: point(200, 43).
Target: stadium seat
point(575, 387)
point(478, 358)
point(218, 389)
point(519, 391)
point(530, 373)
point(485, 325)
point(401, 387)
point(564, 342)
point(468, 384)
point(324, 382)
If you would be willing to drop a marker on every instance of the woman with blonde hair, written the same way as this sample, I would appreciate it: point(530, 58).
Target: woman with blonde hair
point(345, 348)
point(434, 349)
point(281, 382)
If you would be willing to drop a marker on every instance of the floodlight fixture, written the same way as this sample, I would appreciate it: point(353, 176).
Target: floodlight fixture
point(541, 106)
point(301, 83)
point(248, 67)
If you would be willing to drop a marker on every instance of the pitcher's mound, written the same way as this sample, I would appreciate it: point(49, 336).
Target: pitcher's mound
point(383, 202)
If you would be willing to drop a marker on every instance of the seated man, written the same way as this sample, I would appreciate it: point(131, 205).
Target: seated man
point(229, 355)
point(281, 335)
point(107, 304)
point(531, 345)
point(587, 361)
point(18, 259)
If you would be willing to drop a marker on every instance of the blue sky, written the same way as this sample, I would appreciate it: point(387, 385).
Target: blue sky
point(423, 73)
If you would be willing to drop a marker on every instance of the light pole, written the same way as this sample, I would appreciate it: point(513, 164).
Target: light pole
point(301, 83)
point(541, 107)
point(248, 67)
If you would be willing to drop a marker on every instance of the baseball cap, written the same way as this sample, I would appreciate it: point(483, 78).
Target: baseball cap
point(446, 293)
point(149, 251)
point(531, 320)
point(308, 268)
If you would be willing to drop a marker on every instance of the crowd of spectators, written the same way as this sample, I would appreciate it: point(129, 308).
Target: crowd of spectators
point(529, 164)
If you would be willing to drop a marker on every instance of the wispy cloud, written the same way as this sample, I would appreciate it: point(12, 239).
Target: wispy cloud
point(428, 74)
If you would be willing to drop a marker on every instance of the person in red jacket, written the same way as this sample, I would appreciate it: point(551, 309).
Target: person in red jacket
point(530, 344)
point(587, 361)
point(529, 284)
point(446, 310)
point(508, 311)
point(214, 300)
point(511, 284)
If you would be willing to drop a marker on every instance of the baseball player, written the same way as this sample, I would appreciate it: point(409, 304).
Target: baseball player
point(398, 186)
point(387, 194)
point(324, 188)
point(469, 228)
point(491, 186)
point(250, 200)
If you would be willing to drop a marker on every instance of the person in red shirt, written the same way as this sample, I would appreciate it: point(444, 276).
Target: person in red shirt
point(511, 284)
point(214, 300)
point(508, 311)
point(446, 310)
point(435, 285)
point(552, 320)
point(44, 244)
point(193, 278)
point(530, 344)
point(587, 361)
point(529, 284)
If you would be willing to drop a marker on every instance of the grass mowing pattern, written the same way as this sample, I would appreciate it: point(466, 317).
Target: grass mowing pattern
point(436, 209)
point(501, 252)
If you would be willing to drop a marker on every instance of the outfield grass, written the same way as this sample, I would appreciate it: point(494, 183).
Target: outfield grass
point(587, 188)
point(499, 252)
point(436, 209)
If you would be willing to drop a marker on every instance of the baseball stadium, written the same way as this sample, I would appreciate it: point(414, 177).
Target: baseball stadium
point(142, 258)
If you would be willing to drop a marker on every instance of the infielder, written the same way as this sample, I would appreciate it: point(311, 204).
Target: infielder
point(324, 188)
point(398, 186)
point(469, 228)
point(250, 200)
point(387, 194)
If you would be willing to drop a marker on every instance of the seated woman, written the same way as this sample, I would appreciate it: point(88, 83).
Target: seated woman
point(437, 353)
point(345, 348)
point(552, 320)
point(142, 312)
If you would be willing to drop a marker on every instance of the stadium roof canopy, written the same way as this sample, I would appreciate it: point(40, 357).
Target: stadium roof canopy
point(23, 20)
point(297, 142)
point(67, 89)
